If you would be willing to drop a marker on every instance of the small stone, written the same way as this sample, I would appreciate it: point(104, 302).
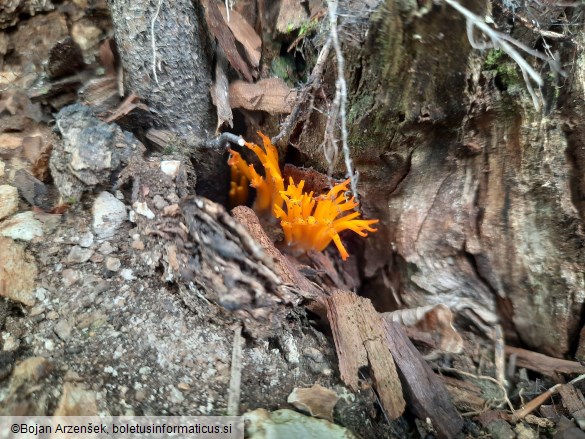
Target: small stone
point(2, 167)
point(11, 344)
point(138, 245)
point(36, 310)
point(86, 240)
point(70, 277)
point(8, 200)
point(22, 226)
point(49, 345)
point(170, 167)
point(78, 255)
point(175, 396)
point(127, 274)
point(76, 401)
point(96, 258)
point(159, 202)
point(52, 315)
point(184, 386)
point(17, 276)
point(41, 294)
point(108, 215)
point(63, 329)
point(106, 248)
point(113, 264)
point(172, 210)
point(142, 208)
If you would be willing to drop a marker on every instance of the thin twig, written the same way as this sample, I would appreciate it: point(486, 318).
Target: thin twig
point(540, 399)
point(234, 391)
point(153, 41)
point(341, 92)
point(223, 139)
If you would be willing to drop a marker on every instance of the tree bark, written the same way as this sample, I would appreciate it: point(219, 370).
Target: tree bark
point(480, 196)
point(179, 95)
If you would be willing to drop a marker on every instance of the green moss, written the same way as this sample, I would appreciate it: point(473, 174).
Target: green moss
point(505, 68)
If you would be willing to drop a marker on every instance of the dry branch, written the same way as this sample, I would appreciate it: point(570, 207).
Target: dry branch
point(426, 394)
point(360, 342)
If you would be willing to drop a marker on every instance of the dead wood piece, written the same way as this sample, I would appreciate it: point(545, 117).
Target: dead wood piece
point(65, 58)
point(128, 104)
point(282, 266)
point(245, 34)
point(224, 262)
point(360, 342)
point(101, 94)
point(225, 39)
point(271, 95)
point(574, 402)
point(317, 400)
point(426, 394)
point(34, 191)
point(219, 92)
point(466, 396)
point(433, 322)
point(544, 364)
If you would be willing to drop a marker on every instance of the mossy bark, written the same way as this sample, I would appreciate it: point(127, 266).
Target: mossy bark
point(479, 195)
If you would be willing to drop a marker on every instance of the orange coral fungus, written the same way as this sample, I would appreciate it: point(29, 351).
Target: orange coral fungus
point(311, 223)
point(268, 188)
point(308, 222)
point(239, 182)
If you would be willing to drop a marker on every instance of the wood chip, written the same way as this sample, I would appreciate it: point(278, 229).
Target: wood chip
point(271, 95)
point(220, 30)
point(426, 394)
point(220, 93)
point(245, 34)
point(574, 402)
point(317, 400)
point(360, 342)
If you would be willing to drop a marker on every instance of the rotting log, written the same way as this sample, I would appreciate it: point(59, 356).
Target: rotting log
point(480, 196)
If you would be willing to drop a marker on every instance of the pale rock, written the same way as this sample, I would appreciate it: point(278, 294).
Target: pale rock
point(2, 167)
point(127, 274)
point(86, 240)
point(141, 208)
point(170, 167)
point(70, 277)
point(284, 423)
point(106, 248)
point(22, 226)
point(11, 344)
point(77, 401)
point(113, 264)
point(8, 200)
point(78, 255)
point(108, 215)
point(63, 329)
point(17, 275)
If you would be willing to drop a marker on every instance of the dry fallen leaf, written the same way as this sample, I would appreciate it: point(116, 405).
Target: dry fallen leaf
point(271, 95)
point(317, 400)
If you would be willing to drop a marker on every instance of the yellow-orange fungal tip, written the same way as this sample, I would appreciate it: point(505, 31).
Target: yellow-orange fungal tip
point(308, 222)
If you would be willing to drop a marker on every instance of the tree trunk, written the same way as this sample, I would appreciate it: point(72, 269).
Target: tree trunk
point(480, 195)
point(179, 94)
